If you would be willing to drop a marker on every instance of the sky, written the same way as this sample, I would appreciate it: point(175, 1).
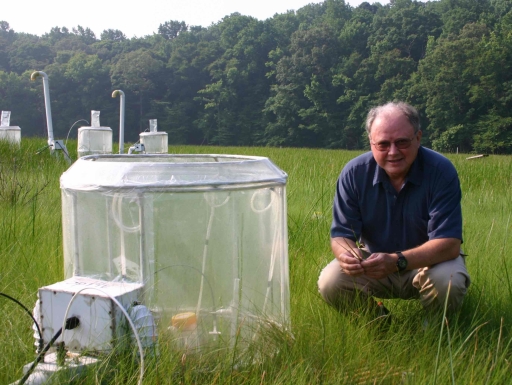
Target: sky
point(136, 18)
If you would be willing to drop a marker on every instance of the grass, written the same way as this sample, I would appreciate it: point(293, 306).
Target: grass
point(474, 347)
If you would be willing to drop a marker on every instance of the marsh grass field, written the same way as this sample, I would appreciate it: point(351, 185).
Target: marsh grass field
point(472, 347)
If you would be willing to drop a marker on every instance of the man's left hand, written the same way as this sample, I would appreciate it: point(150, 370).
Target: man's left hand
point(379, 265)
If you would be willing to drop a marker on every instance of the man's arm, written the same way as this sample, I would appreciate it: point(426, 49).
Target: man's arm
point(432, 252)
point(380, 265)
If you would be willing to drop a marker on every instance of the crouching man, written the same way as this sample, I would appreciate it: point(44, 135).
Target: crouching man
point(402, 202)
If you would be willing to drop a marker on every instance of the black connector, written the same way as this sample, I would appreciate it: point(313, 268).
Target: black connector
point(72, 322)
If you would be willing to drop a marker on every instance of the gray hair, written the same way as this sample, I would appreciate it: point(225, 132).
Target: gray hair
point(409, 112)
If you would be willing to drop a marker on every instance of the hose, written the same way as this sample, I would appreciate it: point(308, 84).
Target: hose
point(117, 215)
point(69, 324)
point(41, 340)
point(214, 307)
point(210, 200)
point(134, 329)
point(73, 125)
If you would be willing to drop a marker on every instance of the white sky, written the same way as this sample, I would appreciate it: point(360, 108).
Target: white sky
point(136, 18)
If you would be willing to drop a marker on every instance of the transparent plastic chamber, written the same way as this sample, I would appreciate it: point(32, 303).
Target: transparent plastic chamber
point(205, 234)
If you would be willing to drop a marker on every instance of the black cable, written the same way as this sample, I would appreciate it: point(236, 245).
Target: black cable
point(64, 150)
point(71, 323)
point(41, 341)
point(42, 149)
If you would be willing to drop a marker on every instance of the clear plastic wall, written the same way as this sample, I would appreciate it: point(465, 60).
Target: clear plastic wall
point(205, 234)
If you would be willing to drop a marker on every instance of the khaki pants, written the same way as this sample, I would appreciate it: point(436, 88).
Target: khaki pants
point(428, 284)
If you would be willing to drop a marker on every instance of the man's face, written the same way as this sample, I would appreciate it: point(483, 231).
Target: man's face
point(388, 128)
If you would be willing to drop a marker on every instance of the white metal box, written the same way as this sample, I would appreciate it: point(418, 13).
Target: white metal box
point(101, 320)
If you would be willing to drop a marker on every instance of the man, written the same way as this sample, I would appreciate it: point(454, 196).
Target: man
point(402, 202)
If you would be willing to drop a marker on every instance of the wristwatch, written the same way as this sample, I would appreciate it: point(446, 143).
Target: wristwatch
point(401, 263)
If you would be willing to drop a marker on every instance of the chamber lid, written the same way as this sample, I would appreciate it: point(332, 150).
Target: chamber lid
point(101, 128)
point(154, 133)
point(199, 171)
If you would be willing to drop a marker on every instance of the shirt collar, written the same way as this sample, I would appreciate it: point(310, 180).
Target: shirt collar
point(415, 174)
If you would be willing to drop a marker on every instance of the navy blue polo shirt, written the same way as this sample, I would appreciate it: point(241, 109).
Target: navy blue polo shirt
point(367, 207)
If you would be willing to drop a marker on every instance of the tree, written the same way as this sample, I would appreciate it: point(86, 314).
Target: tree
point(455, 14)
point(85, 34)
point(56, 34)
point(187, 73)
point(6, 39)
point(29, 52)
point(302, 107)
point(171, 29)
point(4, 26)
point(406, 27)
point(235, 96)
point(493, 134)
point(446, 78)
point(112, 35)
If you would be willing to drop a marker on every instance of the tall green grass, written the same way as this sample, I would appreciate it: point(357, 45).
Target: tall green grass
point(326, 348)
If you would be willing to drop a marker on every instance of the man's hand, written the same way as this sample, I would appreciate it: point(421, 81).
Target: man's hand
point(349, 264)
point(379, 265)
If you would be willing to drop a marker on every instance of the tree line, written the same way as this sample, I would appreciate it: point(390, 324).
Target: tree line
point(304, 78)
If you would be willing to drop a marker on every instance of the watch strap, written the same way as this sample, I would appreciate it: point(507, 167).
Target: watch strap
point(399, 265)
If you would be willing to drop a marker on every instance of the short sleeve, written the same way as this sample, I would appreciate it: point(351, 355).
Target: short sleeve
point(445, 213)
point(346, 215)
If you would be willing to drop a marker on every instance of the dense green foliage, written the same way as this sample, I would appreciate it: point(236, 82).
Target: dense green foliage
point(474, 347)
point(305, 78)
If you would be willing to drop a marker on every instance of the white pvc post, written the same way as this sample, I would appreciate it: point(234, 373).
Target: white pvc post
point(121, 118)
point(47, 104)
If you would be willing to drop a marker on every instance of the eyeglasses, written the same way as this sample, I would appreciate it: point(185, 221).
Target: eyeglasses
point(401, 144)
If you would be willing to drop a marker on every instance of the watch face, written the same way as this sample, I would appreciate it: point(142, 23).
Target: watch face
point(401, 263)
